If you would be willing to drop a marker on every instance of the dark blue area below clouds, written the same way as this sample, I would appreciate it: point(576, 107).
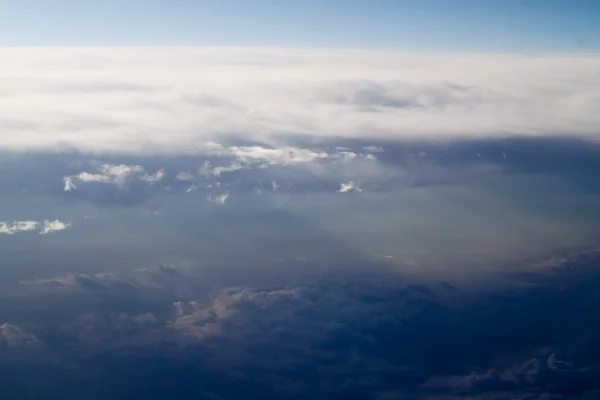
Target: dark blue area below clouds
point(462, 270)
point(364, 338)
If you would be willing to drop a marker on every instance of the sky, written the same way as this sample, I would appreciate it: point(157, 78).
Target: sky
point(535, 26)
point(364, 200)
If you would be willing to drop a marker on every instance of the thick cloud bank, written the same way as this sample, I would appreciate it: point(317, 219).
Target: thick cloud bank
point(170, 332)
point(169, 100)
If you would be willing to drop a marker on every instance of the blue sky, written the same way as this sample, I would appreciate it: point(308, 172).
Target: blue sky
point(401, 25)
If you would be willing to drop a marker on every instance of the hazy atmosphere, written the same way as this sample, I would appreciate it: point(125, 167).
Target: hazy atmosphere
point(214, 205)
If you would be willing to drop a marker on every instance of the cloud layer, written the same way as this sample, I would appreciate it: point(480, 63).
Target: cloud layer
point(169, 100)
point(44, 227)
point(371, 336)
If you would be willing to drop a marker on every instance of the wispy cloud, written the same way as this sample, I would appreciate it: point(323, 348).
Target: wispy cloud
point(185, 177)
point(14, 336)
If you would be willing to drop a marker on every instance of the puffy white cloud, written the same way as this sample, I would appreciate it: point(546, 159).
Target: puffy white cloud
point(17, 226)
point(29, 226)
point(172, 100)
point(155, 177)
point(54, 226)
point(348, 186)
point(69, 185)
point(117, 174)
point(219, 199)
point(208, 170)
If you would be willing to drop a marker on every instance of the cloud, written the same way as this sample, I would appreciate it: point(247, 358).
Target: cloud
point(204, 93)
point(219, 199)
point(370, 336)
point(54, 226)
point(117, 174)
point(208, 170)
point(208, 320)
point(13, 336)
point(164, 278)
point(191, 188)
point(348, 186)
point(155, 177)
point(18, 226)
point(30, 226)
point(185, 177)
point(69, 185)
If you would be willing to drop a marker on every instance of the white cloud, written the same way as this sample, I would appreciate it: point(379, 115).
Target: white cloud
point(172, 100)
point(185, 177)
point(155, 177)
point(54, 226)
point(29, 226)
point(69, 185)
point(220, 199)
point(275, 185)
point(208, 170)
point(108, 173)
point(348, 186)
point(282, 155)
point(17, 226)
point(117, 174)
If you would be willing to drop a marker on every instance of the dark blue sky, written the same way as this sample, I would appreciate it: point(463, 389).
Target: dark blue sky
point(402, 25)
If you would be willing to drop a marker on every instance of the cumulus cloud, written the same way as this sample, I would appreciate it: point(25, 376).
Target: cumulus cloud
point(339, 334)
point(18, 226)
point(116, 174)
point(219, 199)
point(208, 170)
point(30, 226)
point(202, 93)
point(208, 320)
point(155, 177)
point(348, 186)
point(69, 185)
point(54, 226)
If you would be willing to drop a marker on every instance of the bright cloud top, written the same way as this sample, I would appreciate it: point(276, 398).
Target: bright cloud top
point(119, 175)
point(18, 226)
point(44, 228)
point(170, 100)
